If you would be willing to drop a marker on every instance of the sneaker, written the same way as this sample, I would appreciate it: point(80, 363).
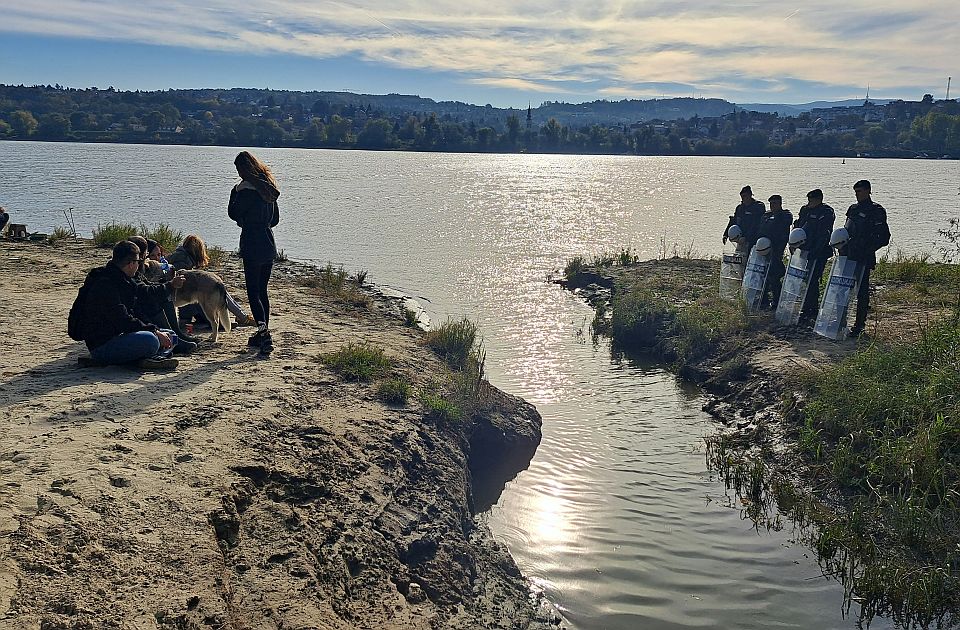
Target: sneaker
point(190, 338)
point(157, 363)
point(254, 340)
point(266, 344)
point(857, 331)
point(246, 320)
point(184, 347)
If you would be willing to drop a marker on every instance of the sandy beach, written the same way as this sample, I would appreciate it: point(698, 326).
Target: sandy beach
point(237, 492)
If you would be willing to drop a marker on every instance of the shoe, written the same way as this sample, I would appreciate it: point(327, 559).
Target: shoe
point(246, 320)
point(266, 344)
point(254, 340)
point(157, 363)
point(856, 331)
point(184, 347)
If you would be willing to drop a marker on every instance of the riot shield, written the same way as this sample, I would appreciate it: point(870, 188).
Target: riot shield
point(731, 274)
point(841, 289)
point(755, 278)
point(795, 284)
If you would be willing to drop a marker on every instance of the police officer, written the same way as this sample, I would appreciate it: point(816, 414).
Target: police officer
point(747, 215)
point(816, 218)
point(775, 225)
point(868, 230)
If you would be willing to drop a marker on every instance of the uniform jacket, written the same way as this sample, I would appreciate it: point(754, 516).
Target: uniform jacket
point(867, 225)
point(256, 216)
point(748, 217)
point(110, 302)
point(776, 227)
point(817, 222)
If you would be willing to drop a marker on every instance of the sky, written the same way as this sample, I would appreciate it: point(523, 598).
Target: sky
point(502, 52)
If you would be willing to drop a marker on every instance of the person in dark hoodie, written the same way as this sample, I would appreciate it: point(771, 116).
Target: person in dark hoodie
point(868, 230)
point(775, 225)
point(253, 205)
point(107, 324)
point(747, 215)
point(816, 218)
point(159, 311)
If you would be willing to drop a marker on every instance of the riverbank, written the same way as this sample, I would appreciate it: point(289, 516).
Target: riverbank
point(245, 493)
point(854, 441)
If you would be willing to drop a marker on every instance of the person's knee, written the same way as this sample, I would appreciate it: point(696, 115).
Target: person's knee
point(147, 343)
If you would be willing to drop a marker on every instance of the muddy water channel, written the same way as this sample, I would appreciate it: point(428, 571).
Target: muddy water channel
point(617, 518)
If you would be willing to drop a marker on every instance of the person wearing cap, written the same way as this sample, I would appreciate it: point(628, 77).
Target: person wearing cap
point(775, 225)
point(816, 218)
point(747, 215)
point(868, 230)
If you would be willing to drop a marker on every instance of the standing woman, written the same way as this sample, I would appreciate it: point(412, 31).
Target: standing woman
point(253, 205)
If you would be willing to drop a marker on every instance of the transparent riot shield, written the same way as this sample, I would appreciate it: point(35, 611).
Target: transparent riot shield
point(841, 289)
point(731, 273)
point(795, 283)
point(755, 278)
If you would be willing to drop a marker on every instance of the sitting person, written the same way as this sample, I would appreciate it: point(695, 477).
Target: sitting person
point(193, 255)
point(159, 312)
point(105, 317)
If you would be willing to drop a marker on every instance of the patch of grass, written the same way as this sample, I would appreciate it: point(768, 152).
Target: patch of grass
point(60, 233)
point(218, 256)
point(394, 391)
point(454, 341)
point(281, 256)
point(361, 277)
point(112, 233)
point(357, 362)
point(410, 317)
point(437, 408)
point(603, 259)
point(627, 256)
point(332, 282)
point(162, 233)
point(573, 268)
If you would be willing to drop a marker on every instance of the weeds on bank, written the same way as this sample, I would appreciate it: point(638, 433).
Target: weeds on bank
point(394, 391)
point(60, 233)
point(334, 282)
point(357, 362)
point(218, 256)
point(168, 238)
point(112, 233)
point(410, 317)
point(458, 343)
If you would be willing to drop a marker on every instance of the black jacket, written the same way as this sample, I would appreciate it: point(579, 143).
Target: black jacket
point(255, 216)
point(776, 227)
point(818, 224)
point(867, 225)
point(747, 216)
point(111, 299)
point(181, 259)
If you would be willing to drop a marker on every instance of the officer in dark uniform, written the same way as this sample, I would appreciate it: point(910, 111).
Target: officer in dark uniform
point(775, 225)
point(868, 230)
point(747, 216)
point(816, 218)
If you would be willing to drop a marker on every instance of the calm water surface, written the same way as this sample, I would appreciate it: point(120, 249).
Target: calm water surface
point(616, 519)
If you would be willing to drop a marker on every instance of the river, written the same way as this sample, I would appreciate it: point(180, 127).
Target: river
point(617, 519)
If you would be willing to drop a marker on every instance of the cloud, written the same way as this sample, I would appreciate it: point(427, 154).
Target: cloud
point(604, 47)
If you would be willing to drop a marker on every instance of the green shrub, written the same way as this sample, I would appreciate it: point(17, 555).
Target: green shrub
point(454, 341)
point(60, 233)
point(574, 268)
point(439, 409)
point(394, 391)
point(112, 233)
point(357, 362)
point(410, 317)
point(218, 256)
point(168, 238)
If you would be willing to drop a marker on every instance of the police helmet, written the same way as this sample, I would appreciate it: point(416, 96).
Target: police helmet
point(797, 237)
point(734, 233)
point(839, 238)
point(763, 246)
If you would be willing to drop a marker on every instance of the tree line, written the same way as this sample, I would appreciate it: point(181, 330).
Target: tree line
point(54, 113)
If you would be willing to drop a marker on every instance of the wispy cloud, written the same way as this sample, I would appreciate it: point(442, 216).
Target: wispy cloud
point(607, 47)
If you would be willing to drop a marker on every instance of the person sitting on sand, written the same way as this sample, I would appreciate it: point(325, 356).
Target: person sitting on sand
point(106, 322)
point(159, 312)
point(192, 254)
point(4, 219)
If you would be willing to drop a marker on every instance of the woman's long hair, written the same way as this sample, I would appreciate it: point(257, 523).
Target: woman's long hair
point(197, 250)
point(257, 173)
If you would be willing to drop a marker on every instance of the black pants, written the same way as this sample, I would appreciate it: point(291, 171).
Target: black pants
point(811, 303)
point(257, 276)
point(774, 284)
point(863, 299)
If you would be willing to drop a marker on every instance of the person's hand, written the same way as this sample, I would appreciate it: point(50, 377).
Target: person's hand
point(177, 281)
point(165, 341)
